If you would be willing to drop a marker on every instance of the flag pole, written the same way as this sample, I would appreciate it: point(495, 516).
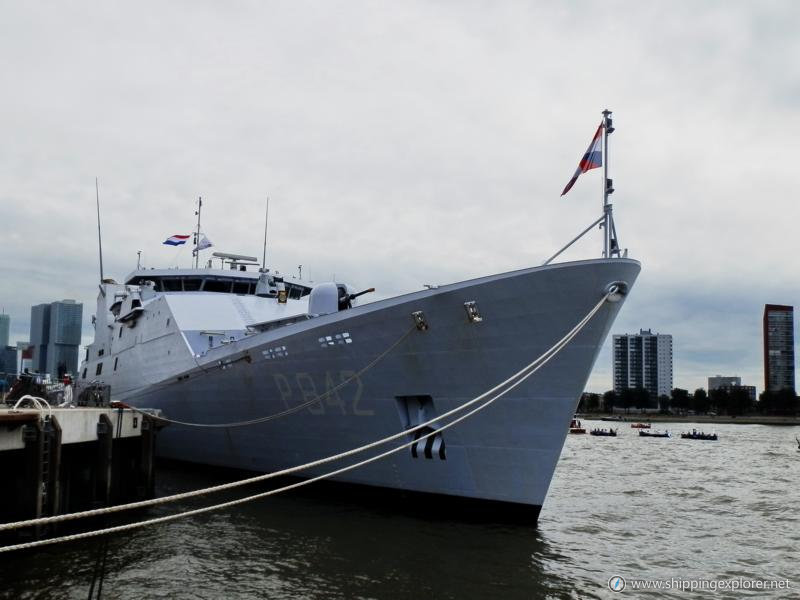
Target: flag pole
point(197, 234)
point(609, 241)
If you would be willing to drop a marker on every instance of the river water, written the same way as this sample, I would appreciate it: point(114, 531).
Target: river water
point(627, 506)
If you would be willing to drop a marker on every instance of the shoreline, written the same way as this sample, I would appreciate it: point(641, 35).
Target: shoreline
point(725, 419)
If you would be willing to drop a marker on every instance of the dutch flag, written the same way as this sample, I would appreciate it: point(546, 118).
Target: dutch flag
point(176, 240)
point(591, 160)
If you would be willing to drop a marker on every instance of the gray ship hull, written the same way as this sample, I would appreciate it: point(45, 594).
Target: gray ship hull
point(507, 453)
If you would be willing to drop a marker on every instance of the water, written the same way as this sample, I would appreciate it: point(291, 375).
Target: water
point(628, 506)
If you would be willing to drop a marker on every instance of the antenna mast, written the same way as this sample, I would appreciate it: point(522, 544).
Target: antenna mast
point(610, 244)
point(99, 239)
point(266, 222)
point(197, 233)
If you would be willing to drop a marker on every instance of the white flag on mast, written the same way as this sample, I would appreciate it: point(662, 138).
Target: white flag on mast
point(203, 242)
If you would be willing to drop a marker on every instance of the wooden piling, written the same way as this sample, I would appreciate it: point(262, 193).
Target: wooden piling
point(72, 459)
point(53, 483)
point(31, 505)
point(102, 472)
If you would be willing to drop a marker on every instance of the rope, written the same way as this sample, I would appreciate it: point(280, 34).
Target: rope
point(283, 413)
point(520, 377)
point(38, 403)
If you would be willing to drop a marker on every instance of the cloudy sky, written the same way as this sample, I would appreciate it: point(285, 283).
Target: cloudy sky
point(411, 143)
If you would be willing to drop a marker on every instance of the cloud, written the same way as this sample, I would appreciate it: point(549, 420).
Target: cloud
point(412, 143)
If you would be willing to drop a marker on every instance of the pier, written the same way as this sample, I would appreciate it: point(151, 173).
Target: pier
point(58, 460)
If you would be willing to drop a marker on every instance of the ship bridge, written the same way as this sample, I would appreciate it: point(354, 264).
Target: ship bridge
point(226, 281)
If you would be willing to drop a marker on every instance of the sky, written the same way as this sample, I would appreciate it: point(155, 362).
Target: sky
point(410, 143)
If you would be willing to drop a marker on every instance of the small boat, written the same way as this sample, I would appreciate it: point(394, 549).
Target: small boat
point(604, 432)
point(575, 427)
point(617, 418)
point(699, 435)
point(657, 434)
point(640, 425)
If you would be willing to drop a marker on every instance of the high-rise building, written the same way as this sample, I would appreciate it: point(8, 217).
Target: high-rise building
point(24, 357)
point(40, 335)
point(721, 382)
point(5, 325)
point(643, 359)
point(8, 361)
point(778, 347)
point(56, 336)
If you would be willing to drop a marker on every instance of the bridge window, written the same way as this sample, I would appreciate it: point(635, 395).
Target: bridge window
point(172, 285)
point(241, 287)
point(217, 285)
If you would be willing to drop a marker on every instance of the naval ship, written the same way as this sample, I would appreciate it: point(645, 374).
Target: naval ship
point(213, 346)
point(238, 343)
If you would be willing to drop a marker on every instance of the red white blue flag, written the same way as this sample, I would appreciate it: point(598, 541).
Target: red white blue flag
point(591, 160)
point(176, 240)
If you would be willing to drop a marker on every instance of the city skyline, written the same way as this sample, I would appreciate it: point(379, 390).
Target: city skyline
point(417, 144)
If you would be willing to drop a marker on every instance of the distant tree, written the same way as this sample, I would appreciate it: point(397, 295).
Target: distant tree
point(700, 401)
point(609, 400)
point(719, 400)
point(642, 398)
point(664, 403)
point(627, 399)
point(783, 402)
point(766, 403)
point(739, 402)
point(680, 399)
point(589, 402)
point(786, 402)
point(637, 397)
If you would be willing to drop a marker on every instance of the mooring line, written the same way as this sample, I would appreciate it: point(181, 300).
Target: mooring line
point(520, 377)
